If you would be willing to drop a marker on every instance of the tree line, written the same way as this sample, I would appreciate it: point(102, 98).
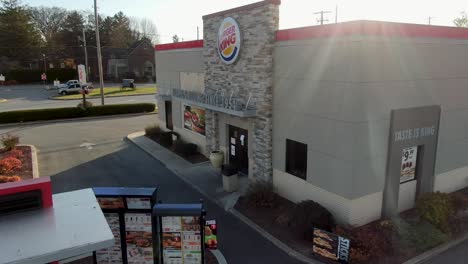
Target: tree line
point(28, 32)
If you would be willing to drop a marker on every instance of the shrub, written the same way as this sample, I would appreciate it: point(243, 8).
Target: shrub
point(15, 153)
point(184, 149)
point(436, 208)
point(153, 131)
point(308, 214)
point(9, 164)
point(88, 104)
point(459, 201)
point(420, 236)
point(166, 138)
point(73, 112)
point(4, 179)
point(261, 194)
point(10, 141)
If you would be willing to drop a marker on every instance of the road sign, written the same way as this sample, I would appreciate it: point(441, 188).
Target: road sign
point(43, 77)
point(2, 78)
point(82, 73)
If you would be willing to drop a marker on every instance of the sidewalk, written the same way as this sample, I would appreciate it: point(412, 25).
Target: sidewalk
point(207, 180)
point(202, 176)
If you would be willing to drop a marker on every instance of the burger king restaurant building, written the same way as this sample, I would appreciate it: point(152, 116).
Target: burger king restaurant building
point(361, 116)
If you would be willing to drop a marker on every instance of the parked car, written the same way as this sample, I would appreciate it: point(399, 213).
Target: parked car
point(130, 83)
point(68, 83)
point(72, 88)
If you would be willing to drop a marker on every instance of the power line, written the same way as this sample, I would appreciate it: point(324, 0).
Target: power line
point(321, 19)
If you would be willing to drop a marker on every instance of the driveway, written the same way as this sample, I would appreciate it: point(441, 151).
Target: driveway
point(35, 96)
point(114, 162)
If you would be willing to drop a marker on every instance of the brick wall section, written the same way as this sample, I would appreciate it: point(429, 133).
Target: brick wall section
point(251, 73)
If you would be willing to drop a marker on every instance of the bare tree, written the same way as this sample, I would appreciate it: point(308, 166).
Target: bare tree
point(144, 28)
point(461, 21)
point(49, 21)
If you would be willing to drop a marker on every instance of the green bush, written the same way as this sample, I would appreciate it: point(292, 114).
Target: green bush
point(308, 214)
point(436, 208)
point(73, 112)
point(10, 141)
point(261, 194)
point(459, 201)
point(153, 131)
point(166, 139)
point(420, 236)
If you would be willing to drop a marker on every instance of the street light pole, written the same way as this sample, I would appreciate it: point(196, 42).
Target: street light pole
point(98, 44)
point(85, 54)
point(45, 67)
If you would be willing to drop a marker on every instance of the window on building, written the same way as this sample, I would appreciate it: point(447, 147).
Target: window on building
point(296, 158)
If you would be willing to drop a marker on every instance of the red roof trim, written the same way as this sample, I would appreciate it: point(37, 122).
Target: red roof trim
point(180, 45)
point(243, 8)
point(372, 28)
point(43, 184)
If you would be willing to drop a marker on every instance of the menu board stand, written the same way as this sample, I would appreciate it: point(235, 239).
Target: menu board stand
point(128, 213)
point(180, 233)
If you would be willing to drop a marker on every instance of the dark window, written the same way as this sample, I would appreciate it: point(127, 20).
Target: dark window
point(296, 158)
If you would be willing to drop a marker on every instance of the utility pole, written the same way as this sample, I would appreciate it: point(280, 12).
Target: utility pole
point(321, 20)
point(429, 20)
point(336, 14)
point(85, 54)
point(198, 33)
point(99, 57)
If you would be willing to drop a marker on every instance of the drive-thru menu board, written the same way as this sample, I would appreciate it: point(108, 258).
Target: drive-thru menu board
point(128, 213)
point(181, 239)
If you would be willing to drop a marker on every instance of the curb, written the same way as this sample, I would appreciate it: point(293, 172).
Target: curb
point(35, 164)
point(3, 100)
point(426, 256)
point(94, 97)
point(289, 251)
point(74, 119)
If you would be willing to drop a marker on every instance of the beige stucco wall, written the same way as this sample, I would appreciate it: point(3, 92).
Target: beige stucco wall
point(336, 95)
point(180, 69)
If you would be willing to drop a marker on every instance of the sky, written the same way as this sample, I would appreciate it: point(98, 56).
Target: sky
point(182, 17)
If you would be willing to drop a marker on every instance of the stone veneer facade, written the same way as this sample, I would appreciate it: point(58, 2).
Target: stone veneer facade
point(251, 73)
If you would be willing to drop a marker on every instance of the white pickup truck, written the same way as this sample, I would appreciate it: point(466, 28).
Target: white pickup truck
point(72, 88)
point(70, 82)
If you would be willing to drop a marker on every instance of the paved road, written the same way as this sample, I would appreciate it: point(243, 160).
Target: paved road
point(35, 96)
point(114, 162)
point(456, 255)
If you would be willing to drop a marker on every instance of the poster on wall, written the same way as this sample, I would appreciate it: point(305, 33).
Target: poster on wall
point(181, 240)
point(211, 230)
point(139, 238)
point(408, 164)
point(330, 246)
point(194, 119)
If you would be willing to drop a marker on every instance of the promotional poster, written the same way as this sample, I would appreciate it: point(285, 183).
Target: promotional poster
point(194, 119)
point(331, 246)
point(211, 230)
point(408, 164)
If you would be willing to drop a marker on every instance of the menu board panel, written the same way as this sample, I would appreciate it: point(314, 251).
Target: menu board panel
point(181, 240)
point(138, 203)
point(112, 254)
point(110, 202)
point(139, 238)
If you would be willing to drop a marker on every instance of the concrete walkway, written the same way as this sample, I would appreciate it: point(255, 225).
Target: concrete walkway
point(202, 176)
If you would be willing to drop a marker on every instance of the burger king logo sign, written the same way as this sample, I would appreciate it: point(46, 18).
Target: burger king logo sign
point(229, 40)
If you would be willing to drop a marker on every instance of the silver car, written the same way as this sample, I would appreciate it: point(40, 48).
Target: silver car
point(72, 88)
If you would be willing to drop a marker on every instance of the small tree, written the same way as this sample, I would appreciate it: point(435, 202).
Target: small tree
point(175, 38)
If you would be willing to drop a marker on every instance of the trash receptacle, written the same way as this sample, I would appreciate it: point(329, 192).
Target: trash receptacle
point(230, 178)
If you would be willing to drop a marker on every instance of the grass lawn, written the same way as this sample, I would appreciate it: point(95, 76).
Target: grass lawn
point(109, 92)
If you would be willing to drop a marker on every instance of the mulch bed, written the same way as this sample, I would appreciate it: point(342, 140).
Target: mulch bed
point(194, 159)
point(26, 170)
point(271, 220)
